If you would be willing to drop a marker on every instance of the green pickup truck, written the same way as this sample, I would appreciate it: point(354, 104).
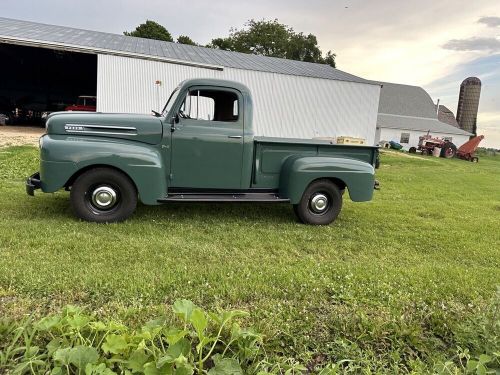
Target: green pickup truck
point(201, 148)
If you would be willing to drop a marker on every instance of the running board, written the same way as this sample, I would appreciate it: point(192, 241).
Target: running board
point(226, 197)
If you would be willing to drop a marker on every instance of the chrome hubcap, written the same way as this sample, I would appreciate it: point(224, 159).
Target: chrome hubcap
point(104, 197)
point(319, 203)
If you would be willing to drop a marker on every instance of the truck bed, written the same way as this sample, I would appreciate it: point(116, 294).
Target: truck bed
point(270, 153)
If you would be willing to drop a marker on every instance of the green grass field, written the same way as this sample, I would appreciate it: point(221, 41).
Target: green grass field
point(399, 283)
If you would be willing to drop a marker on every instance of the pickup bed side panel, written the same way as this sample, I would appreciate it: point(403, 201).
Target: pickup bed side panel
point(62, 157)
point(298, 172)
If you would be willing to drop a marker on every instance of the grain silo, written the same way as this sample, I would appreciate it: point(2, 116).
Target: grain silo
point(468, 103)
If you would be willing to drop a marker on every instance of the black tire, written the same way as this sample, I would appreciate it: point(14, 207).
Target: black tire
point(412, 150)
point(91, 190)
point(448, 151)
point(317, 190)
point(425, 152)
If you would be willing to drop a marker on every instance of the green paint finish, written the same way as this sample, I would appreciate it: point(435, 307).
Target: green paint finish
point(275, 157)
point(139, 128)
point(207, 154)
point(298, 172)
point(63, 157)
point(203, 155)
point(171, 151)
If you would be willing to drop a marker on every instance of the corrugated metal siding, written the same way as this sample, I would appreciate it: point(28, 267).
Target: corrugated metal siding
point(128, 85)
point(284, 106)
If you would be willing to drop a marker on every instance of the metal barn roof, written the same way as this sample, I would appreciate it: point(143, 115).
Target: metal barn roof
point(446, 115)
point(417, 123)
point(68, 38)
point(410, 108)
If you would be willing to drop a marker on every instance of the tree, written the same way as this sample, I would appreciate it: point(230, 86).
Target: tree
point(271, 38)
point(183, 39)
point(151, 30)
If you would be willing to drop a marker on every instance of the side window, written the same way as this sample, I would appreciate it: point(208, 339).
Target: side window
point(405, 138)
point(210, 105)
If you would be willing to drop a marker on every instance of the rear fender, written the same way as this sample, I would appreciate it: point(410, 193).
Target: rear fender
point(298, 172)
point(64, 158)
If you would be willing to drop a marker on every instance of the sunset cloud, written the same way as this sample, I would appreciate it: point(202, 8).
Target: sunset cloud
point(474, 44)
point(490, 21)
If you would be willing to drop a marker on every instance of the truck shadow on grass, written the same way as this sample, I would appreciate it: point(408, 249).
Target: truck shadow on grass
point(58, 207)
point(218, 212)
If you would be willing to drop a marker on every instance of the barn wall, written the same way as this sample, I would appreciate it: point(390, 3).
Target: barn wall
point(284, 106)
point(387, 134)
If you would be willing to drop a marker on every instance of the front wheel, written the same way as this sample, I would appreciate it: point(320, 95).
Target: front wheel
point(320, 204)
point(103, 195)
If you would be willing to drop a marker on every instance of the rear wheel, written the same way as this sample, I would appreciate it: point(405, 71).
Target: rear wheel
point(412, 150)
point(103, 195)
point(320, 204)
point(449, 150)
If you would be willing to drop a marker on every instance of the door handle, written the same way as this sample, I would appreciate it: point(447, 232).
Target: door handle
point(234, 136)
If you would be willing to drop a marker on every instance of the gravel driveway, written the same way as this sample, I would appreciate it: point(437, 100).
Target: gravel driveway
point(20, 135)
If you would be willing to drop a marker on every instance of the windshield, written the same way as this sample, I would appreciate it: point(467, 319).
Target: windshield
point(170, 102)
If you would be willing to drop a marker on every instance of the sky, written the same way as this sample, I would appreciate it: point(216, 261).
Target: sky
point(428, 43)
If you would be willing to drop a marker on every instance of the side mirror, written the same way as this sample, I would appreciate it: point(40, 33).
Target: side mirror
point(175, 120)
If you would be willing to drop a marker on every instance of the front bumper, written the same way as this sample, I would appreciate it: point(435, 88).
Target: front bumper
point(33, 183)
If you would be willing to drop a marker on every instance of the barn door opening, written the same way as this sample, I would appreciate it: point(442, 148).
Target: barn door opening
point(38, 81)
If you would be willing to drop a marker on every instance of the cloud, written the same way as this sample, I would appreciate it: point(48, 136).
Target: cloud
point(473, 44)
point(490, 21)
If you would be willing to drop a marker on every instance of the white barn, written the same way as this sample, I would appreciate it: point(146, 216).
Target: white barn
point(291, 98)
point(408, 112)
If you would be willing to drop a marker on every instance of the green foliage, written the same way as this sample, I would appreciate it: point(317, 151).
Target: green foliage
point(151, 30)
point(73, 342)
point(264, 37)
point(403, 284)
point(483, 151)
point(271, 38)
point(183, 39)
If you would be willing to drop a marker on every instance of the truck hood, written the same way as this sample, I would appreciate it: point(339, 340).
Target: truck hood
point(140, 128)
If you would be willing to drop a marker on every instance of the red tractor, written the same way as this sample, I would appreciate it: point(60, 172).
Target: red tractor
point(428, 143)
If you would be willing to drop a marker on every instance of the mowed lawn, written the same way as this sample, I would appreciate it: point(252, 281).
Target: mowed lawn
point(398, 282)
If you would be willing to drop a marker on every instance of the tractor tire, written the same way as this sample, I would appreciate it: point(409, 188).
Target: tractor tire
point(425, 152)
point(448, 151)
point(412, 150)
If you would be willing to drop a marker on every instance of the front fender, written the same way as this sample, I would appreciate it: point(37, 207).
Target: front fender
point(62, 157)
point(298, 172)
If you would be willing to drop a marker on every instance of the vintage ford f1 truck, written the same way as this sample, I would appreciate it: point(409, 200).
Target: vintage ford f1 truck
point(201, 148)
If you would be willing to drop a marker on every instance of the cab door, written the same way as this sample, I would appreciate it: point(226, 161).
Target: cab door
point(207, 140)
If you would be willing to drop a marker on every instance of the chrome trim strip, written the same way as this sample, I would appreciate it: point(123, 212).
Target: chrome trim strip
point(90, 132)
point(104, 126)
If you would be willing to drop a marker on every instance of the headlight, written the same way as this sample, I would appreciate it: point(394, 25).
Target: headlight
point(40, 141)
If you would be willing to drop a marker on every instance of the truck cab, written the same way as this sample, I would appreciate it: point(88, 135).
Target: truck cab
point(200, 148)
